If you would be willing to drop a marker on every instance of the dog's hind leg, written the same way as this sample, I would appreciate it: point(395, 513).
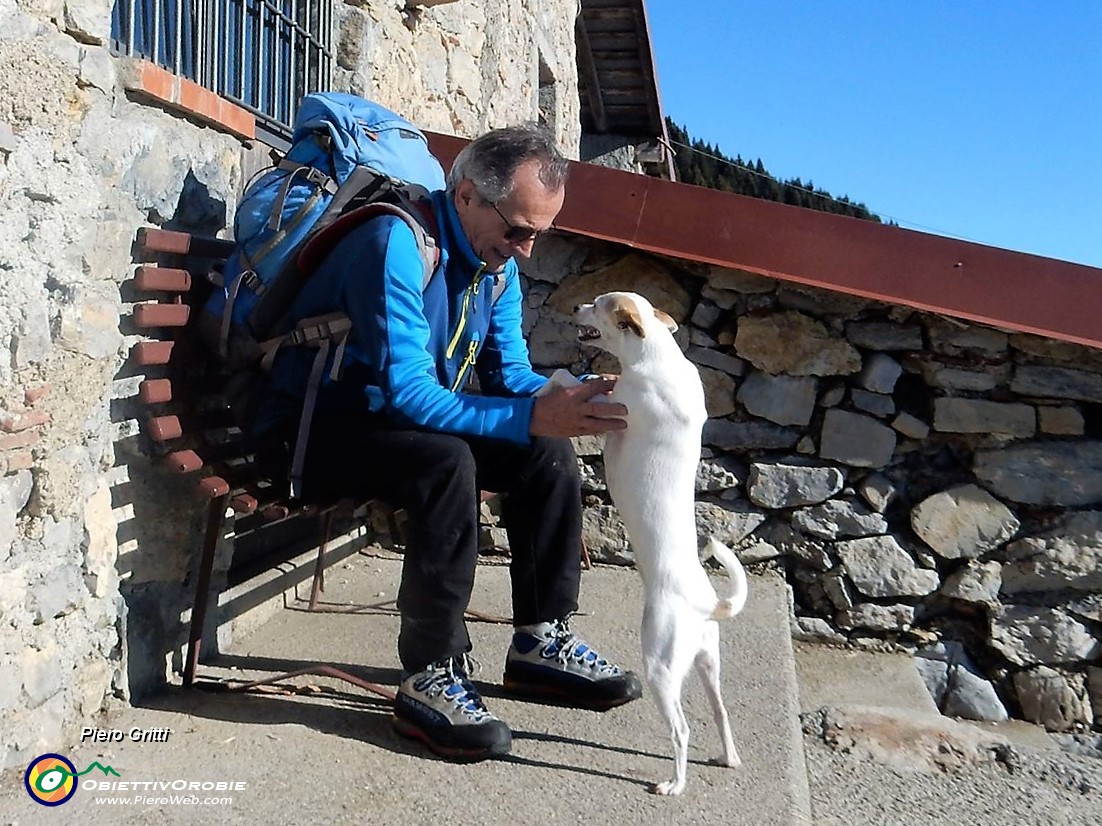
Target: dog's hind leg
point(666, 689)
point(667, 658)
point(707, 665)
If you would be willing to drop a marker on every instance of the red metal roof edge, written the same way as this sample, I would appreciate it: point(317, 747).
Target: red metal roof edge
point(990, 285)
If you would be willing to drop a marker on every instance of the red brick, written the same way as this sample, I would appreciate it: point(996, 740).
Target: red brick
point(18, 461)
point(158, 83)
point(195, 99)
point(33, 394)
point(14, 423)
point(13, 441)
point(237, 120)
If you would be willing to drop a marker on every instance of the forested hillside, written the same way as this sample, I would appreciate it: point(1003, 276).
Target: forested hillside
point(702, 164)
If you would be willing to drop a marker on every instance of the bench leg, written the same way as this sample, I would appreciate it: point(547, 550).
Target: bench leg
point(215, 517)
point(319, 567)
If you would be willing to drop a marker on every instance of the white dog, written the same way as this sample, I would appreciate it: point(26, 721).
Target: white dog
point(651, 469)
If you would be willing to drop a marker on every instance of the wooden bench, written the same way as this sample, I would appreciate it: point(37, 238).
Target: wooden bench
point(190, 426)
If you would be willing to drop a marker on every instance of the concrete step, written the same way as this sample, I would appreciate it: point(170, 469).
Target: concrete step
point(327, 754)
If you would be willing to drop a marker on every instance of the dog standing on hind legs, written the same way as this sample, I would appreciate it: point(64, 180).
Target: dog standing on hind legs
point(651, 471)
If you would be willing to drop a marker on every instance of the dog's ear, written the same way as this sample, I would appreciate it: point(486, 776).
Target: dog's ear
point(666, 319)
point(627, 318)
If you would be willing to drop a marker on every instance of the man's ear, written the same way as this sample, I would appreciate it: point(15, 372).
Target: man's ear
point(464, 192)
point(666, 319)
point(628, 318)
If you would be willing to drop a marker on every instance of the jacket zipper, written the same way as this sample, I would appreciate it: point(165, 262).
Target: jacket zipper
point(468, 362)
point(461, 326)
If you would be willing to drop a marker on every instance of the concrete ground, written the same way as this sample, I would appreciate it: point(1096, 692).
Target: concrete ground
point(874, 749)
point(324, 753)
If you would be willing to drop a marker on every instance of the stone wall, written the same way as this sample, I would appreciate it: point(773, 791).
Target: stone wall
point(96, 545)
point(921, 480)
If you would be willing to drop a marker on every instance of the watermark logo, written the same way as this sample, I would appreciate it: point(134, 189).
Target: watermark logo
point(51, 779)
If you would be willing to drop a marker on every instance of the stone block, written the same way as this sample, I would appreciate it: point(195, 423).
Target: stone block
point(963, 522)
point(739, 281)
point(879, 567)
point(41, 670)
point(855, 439)
point(876, 617)
point(15, 492)
point(605, 537)
point(1054, 700)
point(712, 478)
point(1067, 556)
point(954, 378)
point(1094, 690)
point(880, 373)
point(1028, 635)
point(838, 518)
point(1057, 383)
point(635, 272)
point(730, 523)
point(739, 436)
point(876, 404)
point(795, 344)
point(911, 426)
point(774, 485)
point(58, 593)
point(953, 415)
point(88, 21)
point(706, 357)
point(877, 491)
point(884, 335)
point(719, 391)
point(786, 400)
point(977, 582)
point(1061, 421)
point(705, 315)
point(1051, 473)
point(954, 340)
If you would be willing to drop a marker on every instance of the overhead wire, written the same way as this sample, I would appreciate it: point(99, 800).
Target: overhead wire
point(825, 196)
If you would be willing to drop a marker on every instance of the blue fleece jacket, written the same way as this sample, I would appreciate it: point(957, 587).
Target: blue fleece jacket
point(410, 351)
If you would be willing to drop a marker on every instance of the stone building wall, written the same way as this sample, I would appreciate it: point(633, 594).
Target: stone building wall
point(96, 544)
point(921, 480)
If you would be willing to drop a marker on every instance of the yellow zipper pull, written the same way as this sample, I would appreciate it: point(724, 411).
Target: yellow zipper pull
point(468, 363)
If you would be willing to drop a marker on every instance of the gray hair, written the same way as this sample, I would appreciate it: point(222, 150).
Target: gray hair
point(491, 161)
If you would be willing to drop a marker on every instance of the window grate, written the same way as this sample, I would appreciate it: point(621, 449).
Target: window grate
point(263, 55)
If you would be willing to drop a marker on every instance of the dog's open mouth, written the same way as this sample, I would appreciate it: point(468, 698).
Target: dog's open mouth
point(588, 334)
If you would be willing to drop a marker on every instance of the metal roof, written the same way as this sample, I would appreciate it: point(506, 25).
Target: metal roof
point(1011, 290)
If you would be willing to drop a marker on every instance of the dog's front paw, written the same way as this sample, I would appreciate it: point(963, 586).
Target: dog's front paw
point(669, 787)
point(727, 761)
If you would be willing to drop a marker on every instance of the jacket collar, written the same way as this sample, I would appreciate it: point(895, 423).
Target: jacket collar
point(455, 240)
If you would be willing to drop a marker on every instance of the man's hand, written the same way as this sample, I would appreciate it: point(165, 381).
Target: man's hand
point(573, 411)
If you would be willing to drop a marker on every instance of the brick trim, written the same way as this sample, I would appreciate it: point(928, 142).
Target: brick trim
point(149, 80)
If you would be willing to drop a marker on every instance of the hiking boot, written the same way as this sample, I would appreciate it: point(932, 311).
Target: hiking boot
point(440, 707)
point(550, 663)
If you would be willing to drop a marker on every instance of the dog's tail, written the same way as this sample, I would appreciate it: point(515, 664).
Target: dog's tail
point(729, 605)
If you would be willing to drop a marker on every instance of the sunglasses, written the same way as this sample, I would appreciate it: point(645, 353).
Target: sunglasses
point(513, 233)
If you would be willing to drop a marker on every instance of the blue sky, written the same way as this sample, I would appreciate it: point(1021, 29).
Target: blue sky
point(978, 119)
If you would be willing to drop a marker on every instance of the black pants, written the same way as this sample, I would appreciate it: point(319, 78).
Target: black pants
point(436, 478)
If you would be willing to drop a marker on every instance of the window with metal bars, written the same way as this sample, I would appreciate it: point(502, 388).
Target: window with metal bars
point(263, 55)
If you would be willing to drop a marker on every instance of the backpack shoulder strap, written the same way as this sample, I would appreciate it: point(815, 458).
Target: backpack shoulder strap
point(322, 243)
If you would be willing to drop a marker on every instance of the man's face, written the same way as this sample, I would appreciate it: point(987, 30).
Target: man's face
point(530, 206)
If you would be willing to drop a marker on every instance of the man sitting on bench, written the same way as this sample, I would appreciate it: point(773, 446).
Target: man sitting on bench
point(398, 426)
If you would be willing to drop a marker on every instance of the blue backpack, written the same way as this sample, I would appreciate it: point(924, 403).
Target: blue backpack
point(350, 160)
